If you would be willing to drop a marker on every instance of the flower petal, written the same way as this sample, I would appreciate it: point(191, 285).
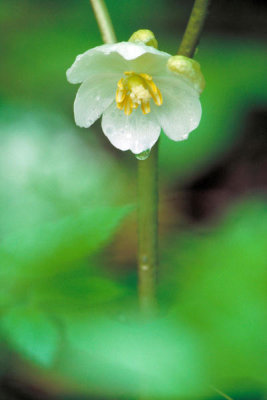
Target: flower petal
point(136, 132)
point(129, 50)
point(142, 58)
point(94, 62)
point(180, 112)
point(93, 97)
point(120, 57)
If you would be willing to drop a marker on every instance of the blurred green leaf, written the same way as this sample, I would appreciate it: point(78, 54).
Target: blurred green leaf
point(47, 171)
point(32, 333)
point(130, 357)
point(78, 291)
point(38, 252)
point(217, 285)
point(55, 214)
point(41, 269)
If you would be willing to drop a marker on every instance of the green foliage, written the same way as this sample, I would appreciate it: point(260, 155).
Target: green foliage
point(218, 287)
point(34, 271)
point(211, 332)
point(47, 171)
point(55, 215)
point(32, 333)
point(39, 251)
point(122, 356)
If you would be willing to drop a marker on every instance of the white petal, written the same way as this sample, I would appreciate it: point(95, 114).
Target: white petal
point(136, 132)
point(93, 98)
point(94, 62)
point(180, 112)
point(149, 63)
point(117, 58)
point(129, 50)
point(141, 58)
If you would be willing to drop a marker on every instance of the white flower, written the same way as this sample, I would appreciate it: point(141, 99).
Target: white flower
point(137, 93)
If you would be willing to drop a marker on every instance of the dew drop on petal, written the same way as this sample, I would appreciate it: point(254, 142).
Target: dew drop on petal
point(143, 156)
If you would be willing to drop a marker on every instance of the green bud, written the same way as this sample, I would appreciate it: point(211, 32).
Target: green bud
point(189, 68)
point(144, 36)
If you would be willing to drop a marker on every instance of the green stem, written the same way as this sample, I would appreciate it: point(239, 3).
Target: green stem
point(104, 21)
point(194, 28)
point(148, 230)
point(148, 184)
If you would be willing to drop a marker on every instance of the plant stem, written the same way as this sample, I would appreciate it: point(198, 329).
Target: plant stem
point(104, 21)
point(194, 28)
point(148, 231)
point(148, 184)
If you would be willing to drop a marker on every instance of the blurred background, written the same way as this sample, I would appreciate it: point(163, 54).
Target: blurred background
point(68, 323)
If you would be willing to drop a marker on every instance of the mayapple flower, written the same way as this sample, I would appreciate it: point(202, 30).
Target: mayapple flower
point(138, 90)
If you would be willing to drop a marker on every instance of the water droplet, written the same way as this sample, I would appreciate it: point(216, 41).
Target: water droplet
point(143, 156)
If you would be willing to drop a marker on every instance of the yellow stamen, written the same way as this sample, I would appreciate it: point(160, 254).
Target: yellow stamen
point(120, 95)
point(128, 109)
point(157, 97)
point(137, 89)
point(146, 77)
point(120, 84)
point(145, 107)
point(152, 87)
point(122, 104)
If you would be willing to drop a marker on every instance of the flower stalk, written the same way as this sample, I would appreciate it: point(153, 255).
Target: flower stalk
point(148, 231)
point(104, 21)
point(148, 183)
point(194, 28)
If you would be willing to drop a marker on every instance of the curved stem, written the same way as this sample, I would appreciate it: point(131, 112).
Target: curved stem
point(148, 230)
point(194, 28)
point(104, 21)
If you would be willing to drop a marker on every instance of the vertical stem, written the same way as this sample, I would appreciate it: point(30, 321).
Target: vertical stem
point(104, 21)
point(148, 230)
point(148, 181)
point(194, 28)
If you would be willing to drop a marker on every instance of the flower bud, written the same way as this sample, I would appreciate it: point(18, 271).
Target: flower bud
point(144, 36)
point(188, 68)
